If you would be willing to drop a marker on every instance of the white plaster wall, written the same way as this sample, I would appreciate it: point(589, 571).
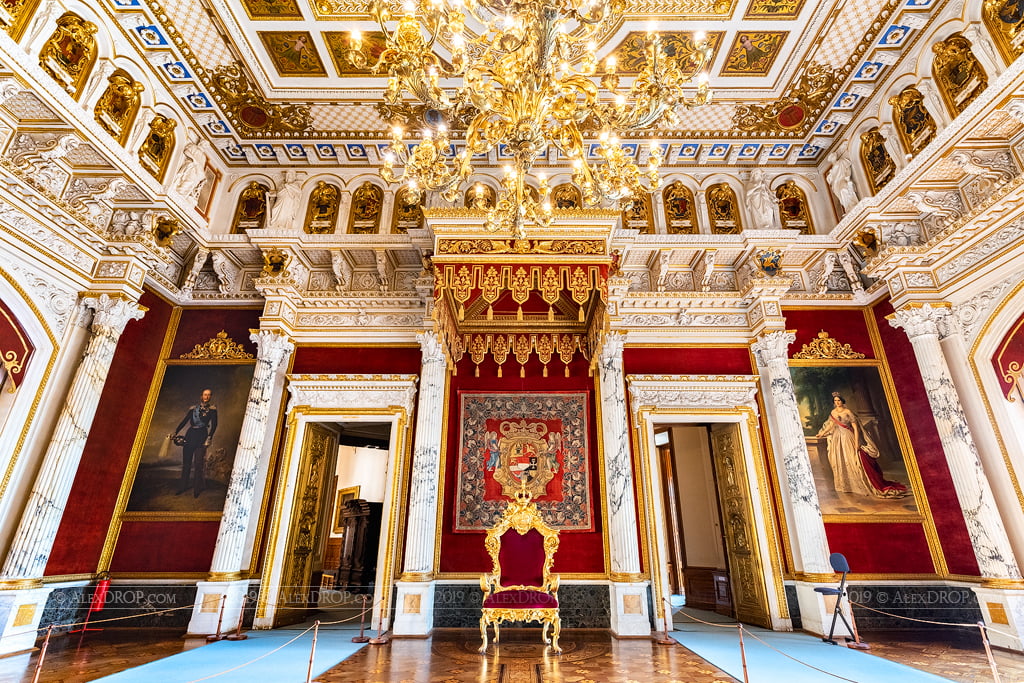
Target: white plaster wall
point(366, 468)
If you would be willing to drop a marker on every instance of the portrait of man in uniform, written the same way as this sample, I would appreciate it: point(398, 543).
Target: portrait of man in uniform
point(200, 424)
point(186, 445)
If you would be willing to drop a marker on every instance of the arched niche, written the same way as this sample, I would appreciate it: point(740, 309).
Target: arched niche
point(408, 213)
point(19, 14)
point(680, 210)
point(879, 168)
point(480, 196)
point(567, 196)
point(367, 205)
point(1004, 20)
point(913, 122)
point(794, 209)
point(251, 209)
point(322, 209)
point(958, 74)
point(158, 146)
point(639, 215)
point(69, 54)
point(723, 210)
point(118, 105)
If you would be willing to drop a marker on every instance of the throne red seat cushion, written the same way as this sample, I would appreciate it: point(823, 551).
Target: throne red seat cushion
point(520, 599)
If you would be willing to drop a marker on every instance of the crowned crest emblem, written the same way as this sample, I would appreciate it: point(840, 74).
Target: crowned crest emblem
point(524, 457)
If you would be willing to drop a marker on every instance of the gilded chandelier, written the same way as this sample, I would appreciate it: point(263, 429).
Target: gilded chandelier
point(529, 80)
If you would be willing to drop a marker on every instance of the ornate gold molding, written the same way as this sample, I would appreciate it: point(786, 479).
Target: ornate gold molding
point(796, 110)
point(220, 347)
point(825, 347)
point(514, 246)
point(251, 113)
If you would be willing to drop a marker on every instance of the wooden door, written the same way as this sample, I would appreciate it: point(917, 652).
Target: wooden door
point(749, 594)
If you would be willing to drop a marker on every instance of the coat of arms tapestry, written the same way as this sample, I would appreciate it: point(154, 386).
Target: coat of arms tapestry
point(508, 439)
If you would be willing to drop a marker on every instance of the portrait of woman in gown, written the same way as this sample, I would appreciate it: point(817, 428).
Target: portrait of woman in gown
point(853, 455)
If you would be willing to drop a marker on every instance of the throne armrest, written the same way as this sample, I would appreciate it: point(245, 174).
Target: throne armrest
point(551, 585)
point(488, 582)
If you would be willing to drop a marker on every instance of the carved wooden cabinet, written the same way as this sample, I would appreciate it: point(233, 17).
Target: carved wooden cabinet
point(361, 523)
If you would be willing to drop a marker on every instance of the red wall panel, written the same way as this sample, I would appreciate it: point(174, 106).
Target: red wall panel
point(578, 552)
point(881, 548)
point(392, 360)
point(843, 324)
point(165, 547)
point(687, 360)
point(93, 496)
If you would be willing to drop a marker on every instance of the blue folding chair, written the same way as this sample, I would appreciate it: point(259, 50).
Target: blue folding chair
point(839, 564)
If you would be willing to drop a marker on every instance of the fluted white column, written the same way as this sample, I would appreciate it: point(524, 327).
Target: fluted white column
point(623, 543)
point(414, 608)
point(772, 352)
point(34, 538)
point(421, 531)
point(273, 348)
point(991, 544)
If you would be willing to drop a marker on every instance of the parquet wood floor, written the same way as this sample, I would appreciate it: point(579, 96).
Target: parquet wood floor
point(450, 657)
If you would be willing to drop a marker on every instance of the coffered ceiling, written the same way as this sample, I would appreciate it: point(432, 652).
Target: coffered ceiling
point(268, 83)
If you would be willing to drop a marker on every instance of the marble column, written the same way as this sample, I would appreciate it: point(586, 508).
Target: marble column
point(33, 540)
point(415, 591)
point(1000, 595)
point(991, 545)
point(629, 597)
point(810, 544)
point(273, 348)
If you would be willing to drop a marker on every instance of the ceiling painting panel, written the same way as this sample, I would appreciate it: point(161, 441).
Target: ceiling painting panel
point(293, 53)
point(753, 53)
point(272, 9)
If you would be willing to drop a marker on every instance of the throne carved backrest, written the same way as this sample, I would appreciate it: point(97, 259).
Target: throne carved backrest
point(522, 547)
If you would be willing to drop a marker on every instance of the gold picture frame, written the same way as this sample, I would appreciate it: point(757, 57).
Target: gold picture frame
point(344, 496)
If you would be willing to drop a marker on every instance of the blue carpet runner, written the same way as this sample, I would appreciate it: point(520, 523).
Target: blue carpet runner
point(720, 647)
point(287, 665)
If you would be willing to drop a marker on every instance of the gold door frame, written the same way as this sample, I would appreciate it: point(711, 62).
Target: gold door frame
point(329, 399)
point(657, 401)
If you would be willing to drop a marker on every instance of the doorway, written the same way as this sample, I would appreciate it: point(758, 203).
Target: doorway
point(727, 408)
point(697, 568)
point(344, 573)
point(323, 412)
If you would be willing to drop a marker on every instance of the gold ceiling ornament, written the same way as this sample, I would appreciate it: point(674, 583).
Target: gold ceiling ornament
point(826, 348)
point(164, 230)
point(521, 91)
point(252, 114)
point(221, 347)
point(275, 263)
point(794, 110)
point(866, 241)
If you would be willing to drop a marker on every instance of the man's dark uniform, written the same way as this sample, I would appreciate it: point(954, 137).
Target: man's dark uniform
point(202, 423)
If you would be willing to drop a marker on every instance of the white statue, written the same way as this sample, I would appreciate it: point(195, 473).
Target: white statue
point(192, 172)
point(761, 203)
point(286, 208)
point(840, 179)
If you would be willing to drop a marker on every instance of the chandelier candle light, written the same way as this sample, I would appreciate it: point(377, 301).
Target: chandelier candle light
point(528, 71)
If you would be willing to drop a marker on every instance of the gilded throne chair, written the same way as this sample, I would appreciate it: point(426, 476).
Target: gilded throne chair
point(521, 586)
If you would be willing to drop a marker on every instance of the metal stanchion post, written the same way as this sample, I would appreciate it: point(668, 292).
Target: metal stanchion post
point(312, 652)
point(382, 638)
point(220, 618)
point(988, 652)
point(362, 638)
point(743, 654)
point(238, 635)
point(662, 637)
point(42, 654)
